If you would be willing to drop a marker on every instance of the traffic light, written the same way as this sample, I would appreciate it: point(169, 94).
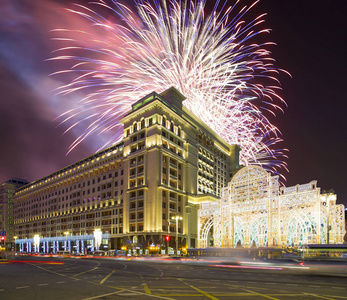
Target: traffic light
point(167, 238)
point(2, 238)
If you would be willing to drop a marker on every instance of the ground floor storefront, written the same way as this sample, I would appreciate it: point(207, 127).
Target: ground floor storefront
point(103, 242)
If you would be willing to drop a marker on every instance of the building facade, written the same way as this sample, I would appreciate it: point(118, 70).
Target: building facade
point(7, 192)
point(254, 211)
point(135, 193)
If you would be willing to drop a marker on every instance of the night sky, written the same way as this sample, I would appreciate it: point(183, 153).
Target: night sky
point(311, 45)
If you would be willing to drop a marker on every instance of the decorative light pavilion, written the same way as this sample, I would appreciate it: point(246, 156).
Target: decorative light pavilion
point(254, 211)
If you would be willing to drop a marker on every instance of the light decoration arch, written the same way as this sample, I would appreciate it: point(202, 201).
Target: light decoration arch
point(254, 211)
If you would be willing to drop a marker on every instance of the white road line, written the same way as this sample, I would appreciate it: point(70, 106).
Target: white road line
point(314, 286)
point(2, 290)
point(291, 284)
point(270, 283)
point(42, 284)
point(60, 281)
point(339, 288)
point(22, 287)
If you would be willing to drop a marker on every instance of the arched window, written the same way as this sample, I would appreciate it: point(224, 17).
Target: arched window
point(179, 131)
point(142, 123)
point(172, 126)
point(135, 127)
point(164, 122)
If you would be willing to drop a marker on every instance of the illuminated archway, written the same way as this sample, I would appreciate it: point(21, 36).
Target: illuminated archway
point(255, 210)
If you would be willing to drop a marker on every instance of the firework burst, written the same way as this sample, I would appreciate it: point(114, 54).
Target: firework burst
point(213, 59)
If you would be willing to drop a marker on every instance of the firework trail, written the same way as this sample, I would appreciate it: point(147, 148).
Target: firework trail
point(213, 59)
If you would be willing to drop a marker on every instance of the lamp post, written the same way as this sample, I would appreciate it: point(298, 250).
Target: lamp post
point(66, 234)
point(15, 238)
point(168, 237)
point(177, 218)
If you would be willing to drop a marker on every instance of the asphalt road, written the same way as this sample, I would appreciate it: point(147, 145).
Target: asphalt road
point(87, 278)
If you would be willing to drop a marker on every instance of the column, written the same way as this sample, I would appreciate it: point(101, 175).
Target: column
point(92, 246)
point(82, 246)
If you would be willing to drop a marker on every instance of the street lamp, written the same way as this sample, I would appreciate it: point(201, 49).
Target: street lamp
point(15, 238)
point(66, 234)
point(176, 218)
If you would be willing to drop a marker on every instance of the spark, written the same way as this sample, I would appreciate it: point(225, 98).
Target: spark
point(214, 59)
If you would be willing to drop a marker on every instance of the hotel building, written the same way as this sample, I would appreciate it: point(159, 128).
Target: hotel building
point(132, 194)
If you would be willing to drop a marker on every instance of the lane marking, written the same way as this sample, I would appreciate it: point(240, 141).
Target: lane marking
point(22, 287)
point(54, 272)
point(180, 295)
point(87, 271)
point(322, 297)
point(123, 291)
point(42, 284)
point(259, 294)
point(200, 291)
point(145, 285)
point(61, 281)
point(339, 288)
point(108, 276)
